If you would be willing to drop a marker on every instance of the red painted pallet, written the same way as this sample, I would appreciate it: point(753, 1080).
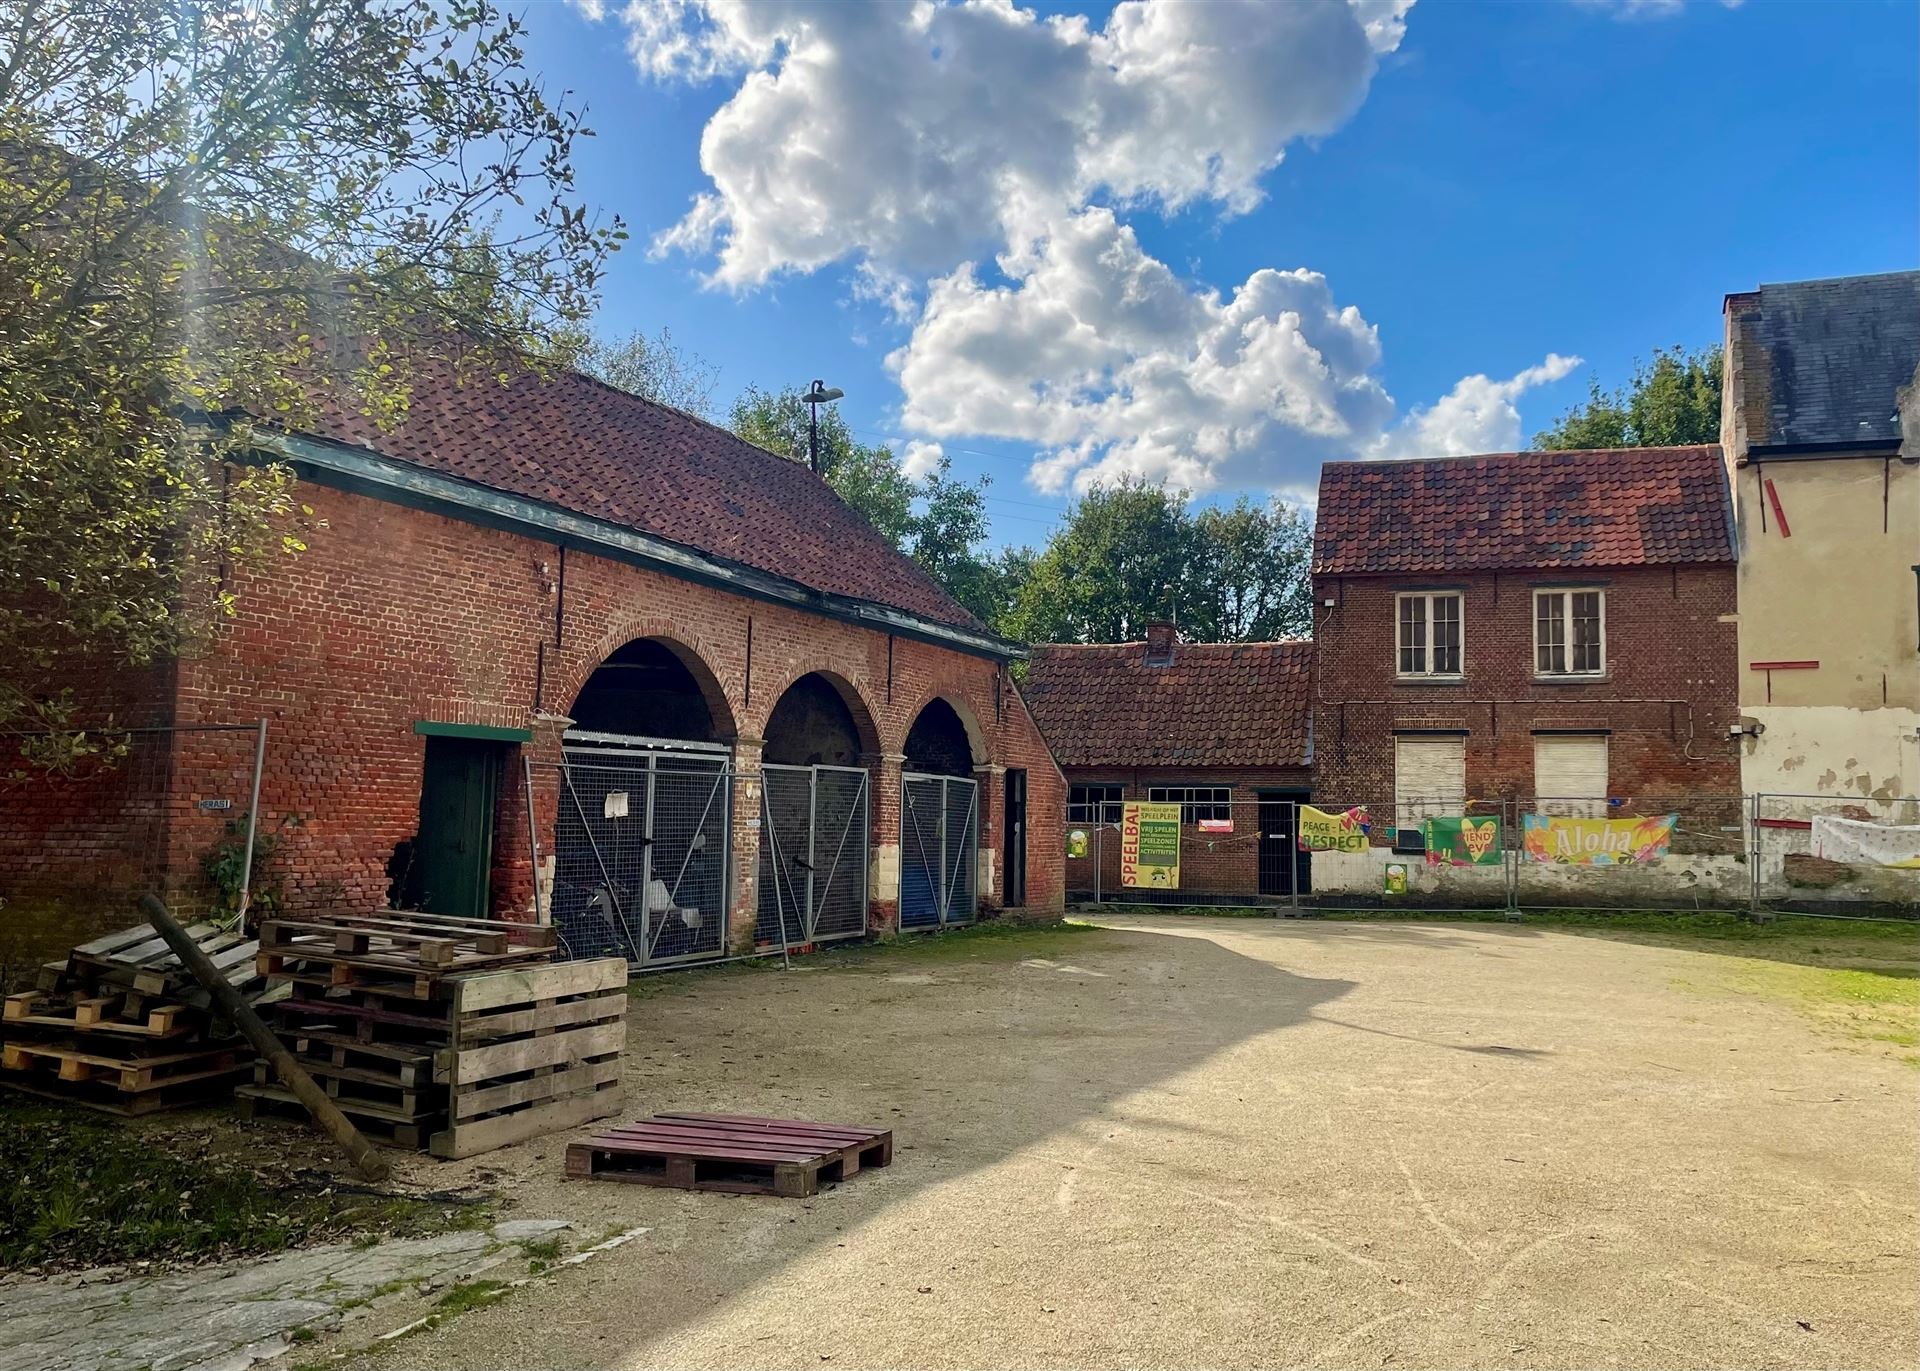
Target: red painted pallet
point(735, 1153)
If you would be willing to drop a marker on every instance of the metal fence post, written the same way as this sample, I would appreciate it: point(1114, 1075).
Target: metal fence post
point(1509, 822)
point(1755, 856)
point(253, 825)
point(1099, 847)
point(1293, 857)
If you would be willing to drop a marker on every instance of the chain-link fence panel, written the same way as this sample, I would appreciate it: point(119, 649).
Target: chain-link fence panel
point(939, 851)
point(813, 855)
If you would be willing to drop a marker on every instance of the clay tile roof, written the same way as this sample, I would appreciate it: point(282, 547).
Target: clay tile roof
point(1215, 704)
point(567, 440)
point(1512, 510)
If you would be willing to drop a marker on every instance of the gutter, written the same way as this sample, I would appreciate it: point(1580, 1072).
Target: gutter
point(1777, 452)
point(366, 472)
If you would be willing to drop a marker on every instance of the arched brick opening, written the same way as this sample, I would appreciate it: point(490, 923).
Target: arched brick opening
point(654, 688)
point(940, 741)
point(820, 720)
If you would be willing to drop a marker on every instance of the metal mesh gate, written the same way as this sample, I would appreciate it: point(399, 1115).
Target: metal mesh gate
point(939, 846)
point(640, 852)
point(813, 854)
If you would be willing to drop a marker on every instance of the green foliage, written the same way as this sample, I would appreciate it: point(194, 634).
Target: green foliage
point(225, 864)
point(1135, 552)
point(1672, 401)
point(655, 368)
point(216, 216)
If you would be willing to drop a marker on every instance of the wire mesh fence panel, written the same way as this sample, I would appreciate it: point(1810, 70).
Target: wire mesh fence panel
point(813, 855)
point(640, 848)
point(939, 851)
point(1840, 855)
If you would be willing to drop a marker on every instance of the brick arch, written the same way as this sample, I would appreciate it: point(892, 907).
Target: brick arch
point(866, 719)
point(979, 740)
point(695, 651)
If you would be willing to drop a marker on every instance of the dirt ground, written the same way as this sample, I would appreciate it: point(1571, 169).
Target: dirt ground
point(1177, 1142)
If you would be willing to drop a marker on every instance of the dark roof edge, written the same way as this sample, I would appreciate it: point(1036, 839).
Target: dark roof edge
point(1869, 447)
point(371, 473)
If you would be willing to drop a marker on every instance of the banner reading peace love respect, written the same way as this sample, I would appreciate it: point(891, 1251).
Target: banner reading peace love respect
point(1345, 831)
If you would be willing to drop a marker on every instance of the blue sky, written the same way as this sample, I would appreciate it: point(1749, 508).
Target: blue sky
point(1101, 276)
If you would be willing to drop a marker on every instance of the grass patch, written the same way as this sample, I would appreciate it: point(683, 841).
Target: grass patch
point(78, 1190)
point(472, 1295)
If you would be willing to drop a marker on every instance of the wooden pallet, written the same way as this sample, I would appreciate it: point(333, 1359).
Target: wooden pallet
point(130, 1075)
point(98, 1014)
point(108, 1098)
point(396, 1128)
point(733, 1153)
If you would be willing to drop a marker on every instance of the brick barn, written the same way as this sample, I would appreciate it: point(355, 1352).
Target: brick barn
point(732, 708)
point(1550, 631)
point(1223, 729)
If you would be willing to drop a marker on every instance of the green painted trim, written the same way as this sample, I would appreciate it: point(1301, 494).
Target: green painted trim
point(370, 473)
point(482, 733)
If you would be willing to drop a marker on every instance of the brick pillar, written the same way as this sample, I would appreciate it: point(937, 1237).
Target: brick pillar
point(514, 879)
point(745, 903)
point(992, 783)
point(883, 873)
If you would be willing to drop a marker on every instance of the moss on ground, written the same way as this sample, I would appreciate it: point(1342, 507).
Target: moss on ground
point(77, 1189)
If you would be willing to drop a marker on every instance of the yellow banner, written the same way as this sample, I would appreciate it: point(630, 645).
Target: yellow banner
point(1343, 831)
point(1150, 846)
point(1596, 842)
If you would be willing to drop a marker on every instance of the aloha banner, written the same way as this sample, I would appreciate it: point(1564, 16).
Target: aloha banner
point(1462, 842)
point(1150, 846)
point(1345, 831)
point(1596, 842)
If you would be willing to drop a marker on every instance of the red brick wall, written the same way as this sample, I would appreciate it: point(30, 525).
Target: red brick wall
point(1210, 863)
point(1670, 687)
point(396, 615)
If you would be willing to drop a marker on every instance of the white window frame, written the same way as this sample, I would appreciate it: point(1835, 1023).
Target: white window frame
point(1565, 594)
point(1427, 598)
point(1220, 798)
point(1105, 810)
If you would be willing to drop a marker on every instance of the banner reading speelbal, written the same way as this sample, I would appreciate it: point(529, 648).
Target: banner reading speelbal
point(1150, 846)
point(1596, 842)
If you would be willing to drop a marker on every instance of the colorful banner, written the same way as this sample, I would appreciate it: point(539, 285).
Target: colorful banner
point(1216, 825)
point(1394, 878)
point(1150, 845)
point(1345, 831)
point(1076, 842)
point(1861, 842)
point(1596, 842)
point(1462, 842)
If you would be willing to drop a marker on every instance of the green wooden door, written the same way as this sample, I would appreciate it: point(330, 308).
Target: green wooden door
point(454, 856)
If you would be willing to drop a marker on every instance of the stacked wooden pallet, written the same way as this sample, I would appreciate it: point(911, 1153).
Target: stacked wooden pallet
point(120, 1025)
point(457, 1035)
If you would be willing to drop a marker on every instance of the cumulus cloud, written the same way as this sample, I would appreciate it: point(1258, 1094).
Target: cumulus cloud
point(920, 458)
point(915, 137)
point(1477, 415)
point(1098, 354)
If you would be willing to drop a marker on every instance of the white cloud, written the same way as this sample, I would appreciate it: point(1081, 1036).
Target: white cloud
point(920, 458)
point(1647, 9)
point(915, 137)
point(1477, 415)
point(1099, 354)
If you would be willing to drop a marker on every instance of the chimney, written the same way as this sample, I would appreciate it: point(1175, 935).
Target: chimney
point(1161, 636)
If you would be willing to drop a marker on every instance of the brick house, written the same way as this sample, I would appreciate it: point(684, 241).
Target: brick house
point(551, 571)
point(1522, 630)
point(1221, 728)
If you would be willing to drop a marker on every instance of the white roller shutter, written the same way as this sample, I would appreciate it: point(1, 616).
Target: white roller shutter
point(1570, 774)
point(1429, 779)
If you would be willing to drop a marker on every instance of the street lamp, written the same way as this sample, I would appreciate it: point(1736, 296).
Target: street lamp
point(821, 394)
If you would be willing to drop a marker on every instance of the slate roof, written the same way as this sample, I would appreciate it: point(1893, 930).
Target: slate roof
point(1609, 507)
point(569, 441)
point(1215, 704)
point(1832, 356)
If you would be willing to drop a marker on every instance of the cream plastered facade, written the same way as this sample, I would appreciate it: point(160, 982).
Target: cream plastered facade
point(1827, 584)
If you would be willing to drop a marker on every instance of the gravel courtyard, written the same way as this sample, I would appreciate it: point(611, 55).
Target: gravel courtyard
point(1216, 1142)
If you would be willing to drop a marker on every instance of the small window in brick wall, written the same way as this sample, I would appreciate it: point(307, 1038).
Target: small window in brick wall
point(1093, 804)
point(1197, 802)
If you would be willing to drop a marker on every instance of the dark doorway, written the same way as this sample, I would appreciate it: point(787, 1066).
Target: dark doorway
point(1014, 838)
point(1284, 869)
point(812, 726)
point(937, 743)
point(454, 855)
point(644, 690)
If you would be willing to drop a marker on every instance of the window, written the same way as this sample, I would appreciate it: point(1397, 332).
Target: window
point(1196, 802)
point(1569, 632)
point(1429, 636)
point(1093, 804)
point(1429, 781)
point(1570, 774)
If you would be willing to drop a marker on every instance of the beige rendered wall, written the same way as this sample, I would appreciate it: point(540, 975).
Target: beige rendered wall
point(1835, 586)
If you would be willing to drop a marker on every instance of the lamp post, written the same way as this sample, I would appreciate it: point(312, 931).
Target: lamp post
point(821, 394)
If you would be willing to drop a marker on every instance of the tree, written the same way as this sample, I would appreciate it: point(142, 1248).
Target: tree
point(1672, 401)
point(1135, 552)
point(655, 368)
point(213, 216)
point(1248, 577)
